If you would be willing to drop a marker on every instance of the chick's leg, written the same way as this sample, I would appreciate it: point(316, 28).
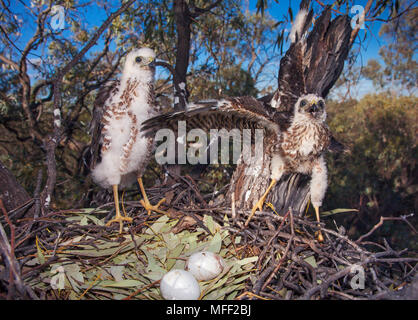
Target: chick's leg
point(145, 202)
point(118, 218)
point(260, 203)
point(318, 187)
point(277, 169)
point(320, 236)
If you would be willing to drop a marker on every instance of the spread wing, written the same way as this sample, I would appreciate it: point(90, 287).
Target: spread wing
point(91, 154)
point(327, 47)
point(313, 62)
point(229, 113)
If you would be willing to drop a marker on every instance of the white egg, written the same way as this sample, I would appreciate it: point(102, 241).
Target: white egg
point(179, 285)
point(205, 265)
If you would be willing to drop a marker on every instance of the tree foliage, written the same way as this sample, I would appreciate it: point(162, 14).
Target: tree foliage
point(400, 68)
point(379, 176)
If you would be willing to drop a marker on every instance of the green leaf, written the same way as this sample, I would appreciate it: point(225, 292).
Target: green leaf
point(311, 260)
point(40, 255)
point(209, 223)
point(157, 225)
point(110, 248)
point(336, 211)
point(121, 284)
point(74, 276)
point(173, 254)
point(117, 272)
point(247, 260)
point(84, 221)
point(215, 243)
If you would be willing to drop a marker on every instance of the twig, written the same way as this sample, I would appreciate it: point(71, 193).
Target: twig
point(284, 254)
point(8, 252)
point(383, 219)
point(142, 289)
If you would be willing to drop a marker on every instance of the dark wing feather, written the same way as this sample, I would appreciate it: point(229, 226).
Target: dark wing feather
point(229, 113)
point(92, 154)
point(313, 64)
point(327, 47)
point(304, 5)
point(338, 147)
point(291, 79)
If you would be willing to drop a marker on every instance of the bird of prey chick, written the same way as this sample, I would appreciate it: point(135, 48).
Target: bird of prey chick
point(119, 152)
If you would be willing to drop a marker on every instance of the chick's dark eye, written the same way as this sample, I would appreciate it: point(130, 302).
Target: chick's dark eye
point(138, 59)
point(303, 103)
point(321, 104)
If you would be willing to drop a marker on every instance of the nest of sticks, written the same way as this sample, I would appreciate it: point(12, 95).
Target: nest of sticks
point(275, 257)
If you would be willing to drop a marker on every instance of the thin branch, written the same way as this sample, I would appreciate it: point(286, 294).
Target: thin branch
point(382, 220)
point(356, 30)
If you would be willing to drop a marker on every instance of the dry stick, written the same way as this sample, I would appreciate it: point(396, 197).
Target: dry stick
point(325, 284)
point(8, 251)
point(142, 289)
point(383, 219)
point(23, 206)
point(37, 201)
point(11, 248)
point(284, 254)
point(233, 212)
point(195, 189)
point(356, 30)
point(274, 236)
point(308, 294)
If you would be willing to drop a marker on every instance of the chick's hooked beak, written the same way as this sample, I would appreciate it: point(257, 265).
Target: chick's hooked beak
point(313, 108)
point(151, 62)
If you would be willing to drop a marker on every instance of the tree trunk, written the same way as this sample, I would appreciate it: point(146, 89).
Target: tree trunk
point(12, 193)
point(183, 22)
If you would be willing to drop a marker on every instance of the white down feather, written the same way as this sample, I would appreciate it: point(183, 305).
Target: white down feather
point(107, 172)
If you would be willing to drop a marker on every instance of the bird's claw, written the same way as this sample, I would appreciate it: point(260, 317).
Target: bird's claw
point(257, 206)
point(149, 207)
point(319, 236)
point(120, 220)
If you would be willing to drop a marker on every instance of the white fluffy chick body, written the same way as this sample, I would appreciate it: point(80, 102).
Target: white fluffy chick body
point(125, 151)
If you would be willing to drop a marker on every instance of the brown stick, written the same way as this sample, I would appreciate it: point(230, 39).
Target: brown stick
point(380, 223)
point(356, 30)
point(15, 279)
point(284, 254)
point(141, 289)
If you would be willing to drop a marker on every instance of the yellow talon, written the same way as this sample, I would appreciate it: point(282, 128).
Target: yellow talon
point(320, 236)
point(145, 202)
point(149, 207)
point(260, 203)
point(119, 218)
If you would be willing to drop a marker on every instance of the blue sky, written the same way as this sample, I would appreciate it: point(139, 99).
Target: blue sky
point(277, 11)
